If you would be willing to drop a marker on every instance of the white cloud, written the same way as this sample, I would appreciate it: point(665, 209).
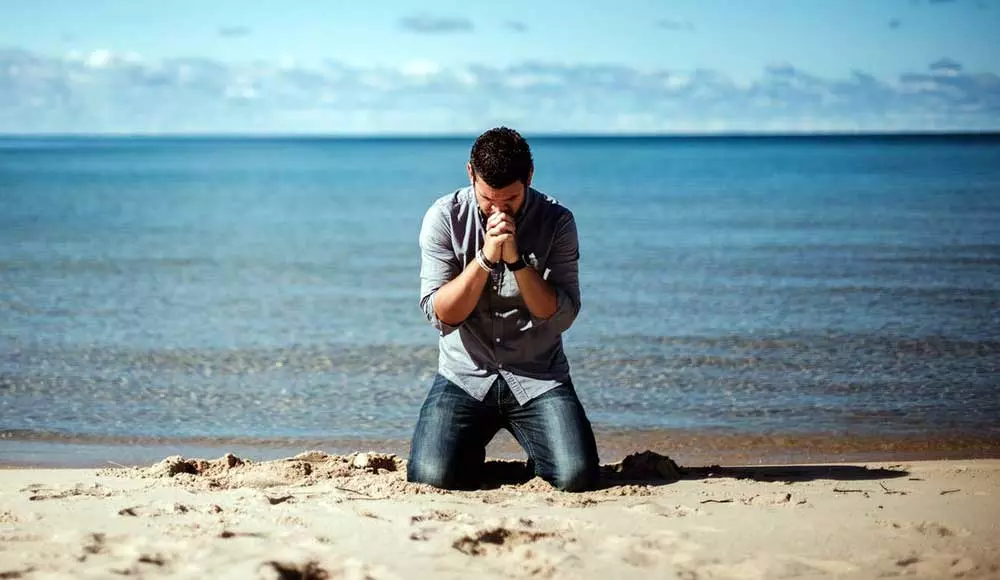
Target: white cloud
point(103, 91)
point(466, 77)
point(241, 92)
point(528, 80)
point(946, 66)
point(420, 68)
point(99, 58)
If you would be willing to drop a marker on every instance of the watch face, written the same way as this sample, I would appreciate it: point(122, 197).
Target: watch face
point(531, 260)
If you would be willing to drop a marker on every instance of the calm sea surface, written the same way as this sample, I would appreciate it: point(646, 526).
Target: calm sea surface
point(267, 288)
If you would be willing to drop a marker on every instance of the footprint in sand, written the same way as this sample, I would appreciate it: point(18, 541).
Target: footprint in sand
point(497, 539)
point(167, 509)
point(676, 511)
point(39, 492)
point(931, 529)
point(15, 536)
point(938, 566)
point(571, 501)
point(664, 547)
point(92, 544)
point(770, 566)
point(527, 550)
point(128, 554)
point(771, 499)
point(428, 524)
point(315, 569)
point(434, 516)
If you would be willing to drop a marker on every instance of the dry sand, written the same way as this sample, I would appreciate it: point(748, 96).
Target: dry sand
point(322, 516)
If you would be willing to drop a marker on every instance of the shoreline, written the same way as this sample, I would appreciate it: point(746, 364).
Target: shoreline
point(701, 447)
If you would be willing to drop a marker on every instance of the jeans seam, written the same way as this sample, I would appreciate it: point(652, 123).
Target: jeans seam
point(527, 441)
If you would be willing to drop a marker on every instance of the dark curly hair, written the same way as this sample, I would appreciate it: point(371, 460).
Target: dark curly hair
point(500, 157)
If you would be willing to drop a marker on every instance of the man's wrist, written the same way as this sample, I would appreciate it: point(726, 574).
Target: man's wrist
point(516, 264)
point(484, 262)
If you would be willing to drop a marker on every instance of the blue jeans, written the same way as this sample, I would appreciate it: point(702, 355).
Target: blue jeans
point(449, 442)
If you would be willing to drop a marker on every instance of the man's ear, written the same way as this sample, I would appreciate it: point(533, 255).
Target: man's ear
point(472, 174)
point(531, 173)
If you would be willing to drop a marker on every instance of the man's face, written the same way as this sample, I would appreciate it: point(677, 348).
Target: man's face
point(491, 200)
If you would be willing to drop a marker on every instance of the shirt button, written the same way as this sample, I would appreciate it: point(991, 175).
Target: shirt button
point(498, 341)
point(500, 366)
point(494, 287)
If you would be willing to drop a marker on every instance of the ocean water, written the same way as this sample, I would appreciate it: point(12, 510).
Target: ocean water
point(266, 289)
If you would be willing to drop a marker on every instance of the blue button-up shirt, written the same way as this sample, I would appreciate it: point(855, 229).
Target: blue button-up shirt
point(500, 336)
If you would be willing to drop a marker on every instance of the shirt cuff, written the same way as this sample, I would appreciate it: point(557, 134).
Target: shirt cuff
point(564, 307)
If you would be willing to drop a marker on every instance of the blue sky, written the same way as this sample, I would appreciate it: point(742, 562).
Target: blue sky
point(131, 66)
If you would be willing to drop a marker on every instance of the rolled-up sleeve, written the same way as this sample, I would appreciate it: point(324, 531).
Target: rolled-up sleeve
point(438, 262)
point(562, 272)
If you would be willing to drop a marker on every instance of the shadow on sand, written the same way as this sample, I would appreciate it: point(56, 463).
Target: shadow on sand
point(794, 473)
point(650, 468)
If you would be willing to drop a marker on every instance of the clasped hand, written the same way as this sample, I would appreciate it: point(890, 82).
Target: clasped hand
point(501, 241)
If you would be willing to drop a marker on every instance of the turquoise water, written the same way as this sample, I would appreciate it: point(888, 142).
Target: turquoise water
point(267, 288)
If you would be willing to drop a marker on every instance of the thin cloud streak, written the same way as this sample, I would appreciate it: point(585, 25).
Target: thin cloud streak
point(427, 24)
point(516, 26)
point(234, 31)
point(677, 25)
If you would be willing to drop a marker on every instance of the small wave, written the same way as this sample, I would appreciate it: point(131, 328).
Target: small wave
point(200, 441)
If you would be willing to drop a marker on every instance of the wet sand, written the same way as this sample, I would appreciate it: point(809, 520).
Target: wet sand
point(691, 447)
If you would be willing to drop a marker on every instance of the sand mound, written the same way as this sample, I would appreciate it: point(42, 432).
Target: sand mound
point(375, 474)
point(304, 469)
point(175, 464)
point(644, 466)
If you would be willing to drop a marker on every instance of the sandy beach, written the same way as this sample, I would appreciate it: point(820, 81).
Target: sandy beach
point(316, 516)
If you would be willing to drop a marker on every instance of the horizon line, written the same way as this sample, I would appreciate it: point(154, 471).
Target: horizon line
point(532, 135)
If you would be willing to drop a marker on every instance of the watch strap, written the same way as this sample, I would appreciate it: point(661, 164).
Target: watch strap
point(520, 263)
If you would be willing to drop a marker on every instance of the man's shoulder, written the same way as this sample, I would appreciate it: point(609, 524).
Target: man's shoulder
point(449, 212)
point(451, 203)
point(550, 207)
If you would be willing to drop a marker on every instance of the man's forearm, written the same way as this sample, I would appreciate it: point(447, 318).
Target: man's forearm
point(538, 295)
point(455, 301)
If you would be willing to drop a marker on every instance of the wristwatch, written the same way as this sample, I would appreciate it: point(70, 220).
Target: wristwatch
point(515, 266)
